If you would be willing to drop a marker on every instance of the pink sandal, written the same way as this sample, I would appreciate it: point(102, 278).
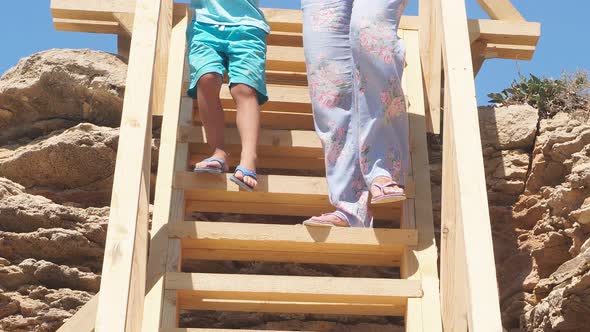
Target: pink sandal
point(318, 222)
point(396, 196)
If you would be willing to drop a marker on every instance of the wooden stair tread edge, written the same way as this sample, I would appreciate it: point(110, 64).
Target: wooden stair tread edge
point(293, 288)
point(391, 258)
point(268, 137)
point(304, 186)
point(210, 233)
point(214, 330)
point(198, 203)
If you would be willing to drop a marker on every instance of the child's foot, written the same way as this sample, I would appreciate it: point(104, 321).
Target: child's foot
point(216, 162)
point(385, 190)
point(249, 180)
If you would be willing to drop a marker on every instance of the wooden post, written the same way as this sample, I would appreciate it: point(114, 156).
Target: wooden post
point(123, 276)
point(419, 262)
point(160, 305)
point(500, 10)
point(431, 56)
point(468, 273)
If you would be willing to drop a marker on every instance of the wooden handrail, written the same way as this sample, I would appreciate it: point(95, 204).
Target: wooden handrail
point(120, 304)
point(469, 292)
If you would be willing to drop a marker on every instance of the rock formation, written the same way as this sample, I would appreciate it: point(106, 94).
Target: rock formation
point(58, 89)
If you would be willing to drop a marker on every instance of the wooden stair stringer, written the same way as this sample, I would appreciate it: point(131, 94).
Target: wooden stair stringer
point(419, 262)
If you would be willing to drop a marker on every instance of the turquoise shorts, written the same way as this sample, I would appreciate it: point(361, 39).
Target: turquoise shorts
point(240, 50)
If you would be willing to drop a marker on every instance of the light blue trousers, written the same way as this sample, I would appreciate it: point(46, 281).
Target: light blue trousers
point(355, 62)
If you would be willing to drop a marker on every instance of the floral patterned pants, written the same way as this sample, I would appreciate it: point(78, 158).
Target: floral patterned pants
point(355, 62)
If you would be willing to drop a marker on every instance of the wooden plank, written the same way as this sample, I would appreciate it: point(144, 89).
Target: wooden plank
point(202, 203)
point(246, 255)
point(278, 149)
point(271, 120)
point(100, 10)
point(189, 302)
point(505, 32)
point(121, 288)
point(282, 98)
point(431, 56)
point(71, 25)
point(306, 140)
point(466, 188)
point(294, 290)
point(285, 58)
point(214, 330)
point(502, 51)
point(287, 243)
point(500, 10)
point(286, 77)
point(264, 161)
point(83, 320)
point(419, 262)
point(254, 236)
point(169, 202)
point(272, 188)
point(478, 49)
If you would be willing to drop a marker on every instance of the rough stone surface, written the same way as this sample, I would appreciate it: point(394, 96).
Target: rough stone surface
point(537, 174)
point(57, 89)
point(75, 165)
point(508, 128)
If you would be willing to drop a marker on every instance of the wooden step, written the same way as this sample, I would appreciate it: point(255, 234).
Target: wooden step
point(275, 195)
point(214, 330)
point(290, 294)
point(270, 120)
point(285, 58)
point(280, 149)
point(292, 243)
point(282, 98)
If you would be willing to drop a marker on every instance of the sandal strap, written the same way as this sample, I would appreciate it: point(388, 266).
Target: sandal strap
point(336, 214)
point(246, 172)
point(385, 185)
point(216, 160)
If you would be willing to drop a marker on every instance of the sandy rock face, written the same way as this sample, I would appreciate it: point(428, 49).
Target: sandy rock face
point(35, 227)
point(549, 220)
point(75, 165)
point(49, 258)
point(57, 89)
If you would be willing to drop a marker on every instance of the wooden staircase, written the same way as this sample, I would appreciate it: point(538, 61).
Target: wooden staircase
point(286, 146)
point(291, 185)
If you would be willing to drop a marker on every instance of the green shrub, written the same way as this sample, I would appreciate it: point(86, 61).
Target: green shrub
point(548, 95)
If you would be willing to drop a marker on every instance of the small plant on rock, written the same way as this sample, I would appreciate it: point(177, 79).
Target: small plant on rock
point(548, 95)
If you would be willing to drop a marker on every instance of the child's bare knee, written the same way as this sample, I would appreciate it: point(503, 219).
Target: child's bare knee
point(242, 92)
point(210, 80)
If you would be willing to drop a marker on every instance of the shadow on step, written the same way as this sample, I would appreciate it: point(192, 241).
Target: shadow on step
point(289, 322)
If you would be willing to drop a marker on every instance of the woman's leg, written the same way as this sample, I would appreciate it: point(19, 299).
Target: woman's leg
point(326, 39)
point(379, 57)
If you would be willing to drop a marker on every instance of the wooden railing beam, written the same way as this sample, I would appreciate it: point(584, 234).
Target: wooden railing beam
point(500, 10)
point(468, 273)
point(120, 304)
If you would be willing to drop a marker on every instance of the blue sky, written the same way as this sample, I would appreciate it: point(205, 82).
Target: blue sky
point(565, 45)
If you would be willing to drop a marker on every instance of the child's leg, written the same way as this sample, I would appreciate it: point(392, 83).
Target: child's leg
point(206, 64)
point(248, 121)
point(247, 76)
point(211, 114)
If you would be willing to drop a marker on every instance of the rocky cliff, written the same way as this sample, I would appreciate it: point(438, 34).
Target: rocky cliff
point(59, 112)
